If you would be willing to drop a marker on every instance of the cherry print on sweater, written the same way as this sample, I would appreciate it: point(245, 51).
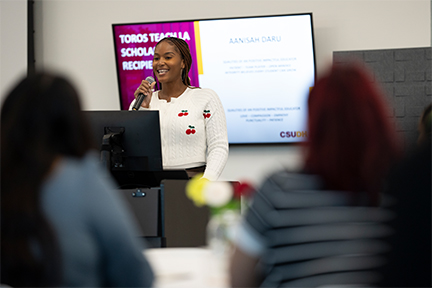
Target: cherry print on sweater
point(183, 113)
point(180, 149)
point(191, 130)
point(206, 114)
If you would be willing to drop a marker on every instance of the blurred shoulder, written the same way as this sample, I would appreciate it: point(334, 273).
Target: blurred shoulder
point(85, 172)
point(84, 165)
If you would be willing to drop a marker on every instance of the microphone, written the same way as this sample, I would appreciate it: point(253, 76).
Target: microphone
point(141, 96)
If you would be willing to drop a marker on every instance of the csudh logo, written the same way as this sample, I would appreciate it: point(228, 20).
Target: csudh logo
point(293, 134)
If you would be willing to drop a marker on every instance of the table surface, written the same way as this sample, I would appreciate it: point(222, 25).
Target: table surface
point(188, 267)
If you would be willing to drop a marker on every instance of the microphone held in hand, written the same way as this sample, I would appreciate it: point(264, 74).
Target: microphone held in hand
point(141, 96)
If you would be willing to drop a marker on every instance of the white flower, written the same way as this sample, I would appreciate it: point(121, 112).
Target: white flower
point(218, 193)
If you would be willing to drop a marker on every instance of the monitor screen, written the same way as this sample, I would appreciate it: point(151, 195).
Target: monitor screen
point(262, 68)
point(137, 151)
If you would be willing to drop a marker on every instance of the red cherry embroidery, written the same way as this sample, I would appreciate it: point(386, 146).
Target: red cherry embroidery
point(183, 113)
point(206, 114)
point(191, 130)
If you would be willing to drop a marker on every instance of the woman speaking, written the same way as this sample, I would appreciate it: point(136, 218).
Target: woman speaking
point(193, 126)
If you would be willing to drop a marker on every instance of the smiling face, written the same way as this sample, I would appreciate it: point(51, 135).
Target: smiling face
point(167, 63)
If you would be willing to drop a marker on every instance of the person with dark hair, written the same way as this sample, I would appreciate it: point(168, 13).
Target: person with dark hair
point(425, 125)
point(409, 261)
point(193, 125)
point(61, 222)
point(297, 228)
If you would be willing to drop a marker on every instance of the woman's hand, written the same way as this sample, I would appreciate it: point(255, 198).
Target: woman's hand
point(147, 89)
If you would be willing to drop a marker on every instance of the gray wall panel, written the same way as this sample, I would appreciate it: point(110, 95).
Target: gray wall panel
point(405, 75)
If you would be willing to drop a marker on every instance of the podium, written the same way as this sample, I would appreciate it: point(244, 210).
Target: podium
point(131, 152)
point(185, 223)
point(146, 205)
point(166, 217)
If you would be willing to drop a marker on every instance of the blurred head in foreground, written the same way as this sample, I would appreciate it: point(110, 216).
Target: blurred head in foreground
point(352, 143)
point(41, 120)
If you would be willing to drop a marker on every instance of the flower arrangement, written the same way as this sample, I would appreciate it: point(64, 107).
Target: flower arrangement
point(219, 196)
point(224, 200)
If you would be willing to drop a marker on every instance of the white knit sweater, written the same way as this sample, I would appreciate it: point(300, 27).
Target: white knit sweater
point(193, 131)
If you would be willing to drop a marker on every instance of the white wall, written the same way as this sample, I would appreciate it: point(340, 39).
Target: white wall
point(13, 43)
point(75, 37)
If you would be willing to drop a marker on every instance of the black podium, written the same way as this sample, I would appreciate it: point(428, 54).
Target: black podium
point(166, 217)
point(146, 204)
point(185, 223)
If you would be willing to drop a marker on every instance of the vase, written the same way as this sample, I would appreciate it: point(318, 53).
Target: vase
point(221, 231)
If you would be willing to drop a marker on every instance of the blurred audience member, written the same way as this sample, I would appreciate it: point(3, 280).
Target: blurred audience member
point(351, 146)
point(425, 128)
point(61, 222)
point(409, 260)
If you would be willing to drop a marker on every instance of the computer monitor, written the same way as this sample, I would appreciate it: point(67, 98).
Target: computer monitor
point(130, 145)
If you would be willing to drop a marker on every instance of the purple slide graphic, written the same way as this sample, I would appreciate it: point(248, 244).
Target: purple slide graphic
point(134, 49)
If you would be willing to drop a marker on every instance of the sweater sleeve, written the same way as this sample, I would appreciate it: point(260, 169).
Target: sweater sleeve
point(154, 94)
point(217, 137)
point(132, 104)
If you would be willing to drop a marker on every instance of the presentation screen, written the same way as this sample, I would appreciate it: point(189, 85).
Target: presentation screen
point(262, 68)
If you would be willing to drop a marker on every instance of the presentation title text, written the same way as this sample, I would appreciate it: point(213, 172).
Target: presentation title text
point(144, 51)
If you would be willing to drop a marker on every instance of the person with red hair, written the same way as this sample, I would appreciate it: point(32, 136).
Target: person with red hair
point(351, 141)
point(296, 229)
